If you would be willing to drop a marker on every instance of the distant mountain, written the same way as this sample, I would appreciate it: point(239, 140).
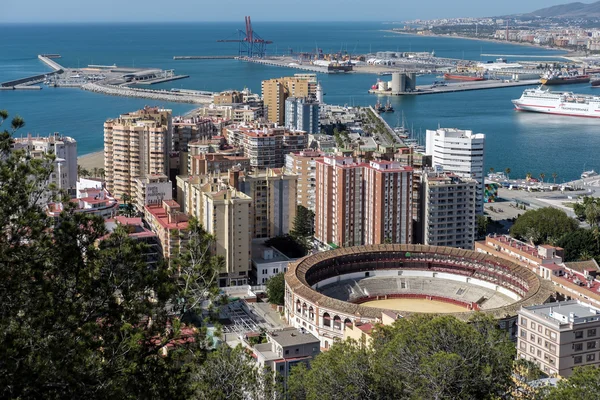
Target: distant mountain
point(571, 10)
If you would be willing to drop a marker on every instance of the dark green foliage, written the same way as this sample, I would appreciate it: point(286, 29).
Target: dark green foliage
point(276, 289)
point(82, 315)
point(230, 374)
point(304, 227)
point(420, 357)
point(288, 245)
point(578, 244)
point(482, 224)
point(583, 384)
point(544, 225)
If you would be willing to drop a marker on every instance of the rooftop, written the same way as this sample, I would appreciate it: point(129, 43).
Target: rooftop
point(292, 336)
point(565, 312)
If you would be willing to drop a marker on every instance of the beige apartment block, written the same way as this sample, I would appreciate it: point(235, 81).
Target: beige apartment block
point(560, 336)
point(274, 194)
point(225, 215)
point(276, 91)
point(303, 164)
point(135, 145)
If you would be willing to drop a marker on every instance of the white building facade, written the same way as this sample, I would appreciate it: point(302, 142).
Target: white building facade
point(460, 152)
point(65, 149)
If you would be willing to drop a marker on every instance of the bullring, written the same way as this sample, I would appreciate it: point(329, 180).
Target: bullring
point(326, 292)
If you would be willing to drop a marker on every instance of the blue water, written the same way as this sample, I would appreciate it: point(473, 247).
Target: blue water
point(522, 142)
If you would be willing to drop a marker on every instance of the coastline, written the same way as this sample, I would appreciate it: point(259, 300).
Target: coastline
point(91, 160)
point(537, 46)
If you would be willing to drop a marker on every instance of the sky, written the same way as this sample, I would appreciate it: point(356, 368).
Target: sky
point(260, 10)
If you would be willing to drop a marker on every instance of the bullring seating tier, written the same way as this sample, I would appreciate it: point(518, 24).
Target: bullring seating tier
point(353, 290)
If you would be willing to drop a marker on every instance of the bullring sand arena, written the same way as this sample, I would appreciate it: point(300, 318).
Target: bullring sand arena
point(329, 292)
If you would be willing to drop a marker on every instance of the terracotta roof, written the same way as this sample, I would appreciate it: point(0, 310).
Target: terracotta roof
point(583, 266)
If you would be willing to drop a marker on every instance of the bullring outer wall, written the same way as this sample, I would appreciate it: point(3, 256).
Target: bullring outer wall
point(306, 308)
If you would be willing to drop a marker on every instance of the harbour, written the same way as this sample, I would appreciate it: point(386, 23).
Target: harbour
point(459, 87)
point(488, 111)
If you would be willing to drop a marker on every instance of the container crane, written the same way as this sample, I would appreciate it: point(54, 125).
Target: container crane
point(250, 43)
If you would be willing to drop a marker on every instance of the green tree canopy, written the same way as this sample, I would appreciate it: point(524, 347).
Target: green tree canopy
point(583, 384)
point(276, 289)
point(82, 314)
point(578, 243)
point(544, 225)
point(304, 226)
point(420, 357)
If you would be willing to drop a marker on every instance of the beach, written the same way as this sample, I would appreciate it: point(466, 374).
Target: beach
point(481, 39)
point(92, 160)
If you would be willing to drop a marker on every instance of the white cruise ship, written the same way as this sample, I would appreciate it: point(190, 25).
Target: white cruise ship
point(561, 103)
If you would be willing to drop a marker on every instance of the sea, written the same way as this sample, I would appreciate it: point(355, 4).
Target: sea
point(523, 142)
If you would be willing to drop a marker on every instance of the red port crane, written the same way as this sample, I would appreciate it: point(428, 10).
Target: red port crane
point(250, 43)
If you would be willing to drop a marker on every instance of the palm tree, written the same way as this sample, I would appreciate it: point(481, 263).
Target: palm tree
point(528, 176)
point(101, 173)
point(542, 176)
point(554, 176)
point(95, 172)
point(491, 170)
point(507, 171)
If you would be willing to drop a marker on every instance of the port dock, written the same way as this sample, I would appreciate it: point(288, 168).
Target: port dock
point(205, 57)
point(28, 82)
point(459, 87)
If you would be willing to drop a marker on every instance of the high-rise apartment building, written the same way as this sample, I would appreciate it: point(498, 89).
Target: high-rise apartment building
point(460, 152)
point(273, 194)
point(225, 214)
point(388, 203)
point(276, 91)
point(302, 114)
point(560, 336)
point(359, 203)
point(303, 164)
point(267, 146)
point(339, 202)
point(449, 210)
point(135, 145)
point(64, 148)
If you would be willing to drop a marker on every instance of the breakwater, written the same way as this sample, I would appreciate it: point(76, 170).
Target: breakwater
point(162, 95)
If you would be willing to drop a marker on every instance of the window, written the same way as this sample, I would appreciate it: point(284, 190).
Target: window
point(287, 352)
point(578, 334)
point(591, 332)
point(591, 345)
point(590, 357)
point(532, 325)
point(578, 346)
point(524, 321)
point(577, 360)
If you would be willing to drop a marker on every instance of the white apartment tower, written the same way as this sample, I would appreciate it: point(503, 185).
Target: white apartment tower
point(460, 152)
point(65, 150)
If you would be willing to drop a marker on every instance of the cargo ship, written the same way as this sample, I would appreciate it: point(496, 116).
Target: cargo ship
point(463, 77)
point(560, 103)
point(563, 78)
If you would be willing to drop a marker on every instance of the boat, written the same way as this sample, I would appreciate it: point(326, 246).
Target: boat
point(379, 108)
point(388, 107)
point(542, 100)
point(589, 174)
point(464, 77)
point(595, 81)
point(563, 78)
